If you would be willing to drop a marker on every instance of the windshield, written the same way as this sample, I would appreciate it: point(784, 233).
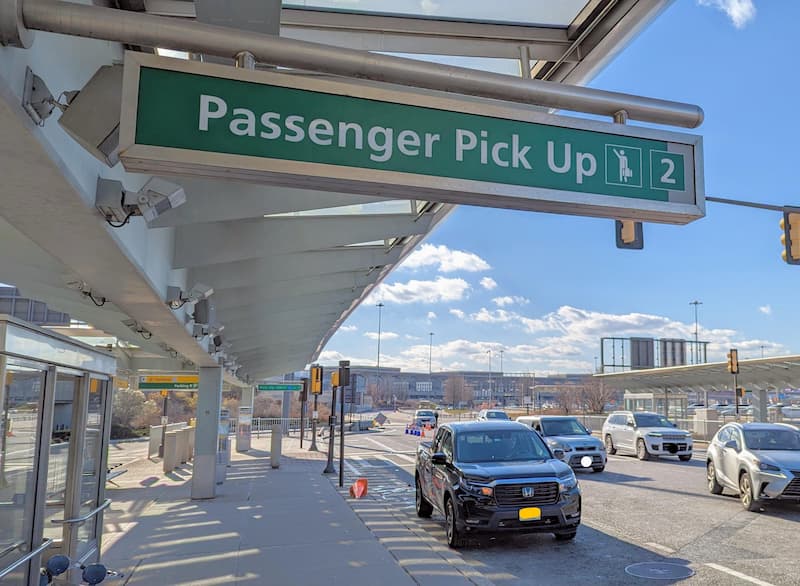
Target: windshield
point(651, 420)
point(496, 415)
point(513, 445)
point(772, 439)
point(425, 414)
point(563, 427)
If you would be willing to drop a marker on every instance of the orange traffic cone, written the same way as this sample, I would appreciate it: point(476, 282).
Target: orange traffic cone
point(359, 488)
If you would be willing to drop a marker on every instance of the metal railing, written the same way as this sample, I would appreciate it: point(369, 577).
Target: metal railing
point(82, 519)
point(26, 558)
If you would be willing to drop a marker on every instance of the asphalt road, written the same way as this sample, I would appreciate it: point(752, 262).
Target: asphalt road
point(633, 512)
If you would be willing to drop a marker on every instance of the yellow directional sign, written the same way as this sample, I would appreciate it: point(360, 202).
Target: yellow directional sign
point(185, 382)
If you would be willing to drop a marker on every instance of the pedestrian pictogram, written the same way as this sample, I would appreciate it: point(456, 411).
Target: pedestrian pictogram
point(623, 165)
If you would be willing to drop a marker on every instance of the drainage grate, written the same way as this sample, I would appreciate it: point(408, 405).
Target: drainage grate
point(659, 571)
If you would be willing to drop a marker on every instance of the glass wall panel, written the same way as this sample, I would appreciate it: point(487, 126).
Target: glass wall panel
point(19, 429)
point(92, 461)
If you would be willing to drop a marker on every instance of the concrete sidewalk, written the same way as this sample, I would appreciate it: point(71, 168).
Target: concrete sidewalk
point(267, 526)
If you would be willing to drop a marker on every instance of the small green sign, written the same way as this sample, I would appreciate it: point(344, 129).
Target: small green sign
point(282, 387)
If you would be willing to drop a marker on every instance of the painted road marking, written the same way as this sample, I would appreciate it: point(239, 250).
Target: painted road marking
point(391, 450)
point(352, 468)
point(659, 547)
point(739, 575)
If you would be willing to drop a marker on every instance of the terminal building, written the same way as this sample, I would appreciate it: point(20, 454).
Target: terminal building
point(145, 196)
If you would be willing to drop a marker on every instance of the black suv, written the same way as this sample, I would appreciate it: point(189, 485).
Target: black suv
point(490, 476)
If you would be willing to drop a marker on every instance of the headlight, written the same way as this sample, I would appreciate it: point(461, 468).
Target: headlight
point(555, 445)
point(766, 467)
point(566, 483)
point(477, 488)
point(655, 434)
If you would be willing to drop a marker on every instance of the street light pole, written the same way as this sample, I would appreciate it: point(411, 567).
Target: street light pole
point(489, 352)
point(378, 366)
point(430, 367)
point(502, 380)
point(696, 352)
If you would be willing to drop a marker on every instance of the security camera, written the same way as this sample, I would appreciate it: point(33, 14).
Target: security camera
point(177, 298)
point(118, 205)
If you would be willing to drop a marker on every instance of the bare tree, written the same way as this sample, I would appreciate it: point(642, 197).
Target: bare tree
point(455, 391)
point(566, 397)
point(597, 395)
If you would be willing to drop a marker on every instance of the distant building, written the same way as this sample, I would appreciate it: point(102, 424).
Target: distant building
point(30, 310)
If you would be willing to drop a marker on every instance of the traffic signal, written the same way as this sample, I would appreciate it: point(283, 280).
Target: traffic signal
point(316, 380)
point(629, 234)
point(335, 378)
point(733, 361)
point(790, 224)
point(740, 392)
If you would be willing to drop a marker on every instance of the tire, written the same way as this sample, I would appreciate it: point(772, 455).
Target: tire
point(685, 457)
point(598, 468)
point(641, 450)
point(566, 535)
point(749, 502)
point(454, 538)
point(424, 508)
point(714, 487)
point(610, 446)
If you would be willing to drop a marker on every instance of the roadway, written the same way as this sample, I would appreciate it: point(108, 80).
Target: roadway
point(633, 512)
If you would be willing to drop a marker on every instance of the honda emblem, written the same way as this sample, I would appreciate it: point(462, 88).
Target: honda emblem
point(527, 491)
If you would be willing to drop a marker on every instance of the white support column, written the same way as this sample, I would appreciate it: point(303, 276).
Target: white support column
point(209, 399)
point(245, 423)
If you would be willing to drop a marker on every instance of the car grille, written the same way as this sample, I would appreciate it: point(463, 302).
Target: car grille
point(793, 488)
point(674, 438)
point(586, 448)
point(576, 460)
point(678, 447)
point(544, 493)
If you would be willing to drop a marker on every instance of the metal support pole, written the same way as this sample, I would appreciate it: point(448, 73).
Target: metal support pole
point(341, 439)
point(329, 468)
point(163, 425)
point(138, 28)
point(314, 417)
point(736, 394)
point(303, 411)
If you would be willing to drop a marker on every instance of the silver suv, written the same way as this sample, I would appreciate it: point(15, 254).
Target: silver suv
point(645, 434)
point(566, 433)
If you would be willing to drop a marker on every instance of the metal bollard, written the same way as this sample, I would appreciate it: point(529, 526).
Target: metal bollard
point(275, 447)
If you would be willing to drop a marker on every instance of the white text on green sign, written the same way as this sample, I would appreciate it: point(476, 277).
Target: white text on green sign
point(285, 387)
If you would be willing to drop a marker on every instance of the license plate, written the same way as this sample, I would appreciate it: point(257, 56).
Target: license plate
point(530, 514)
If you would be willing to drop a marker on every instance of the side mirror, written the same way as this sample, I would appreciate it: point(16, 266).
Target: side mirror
point(439, 458)
point(558, 454)
point(732, 444)
point(631, 424)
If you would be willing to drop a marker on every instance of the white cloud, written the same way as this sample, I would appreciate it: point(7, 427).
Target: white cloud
point(384, 335)
point(446, 260)
point(493, 316)
point(410, 337)
point(488, 283)
point(507, 300)
point(765, 309)
point(442, 289)
point(348, 328)
point(457, 312)
point(428, 6)
point(739, 11)
point(431, 315)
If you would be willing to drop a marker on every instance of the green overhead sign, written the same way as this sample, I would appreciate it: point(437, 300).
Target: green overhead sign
point(191, 118)
point(283, 387)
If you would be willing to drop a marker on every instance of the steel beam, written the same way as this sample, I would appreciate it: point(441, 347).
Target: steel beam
point(155, 31)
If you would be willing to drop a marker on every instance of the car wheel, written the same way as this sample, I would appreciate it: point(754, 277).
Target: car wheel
point(451, 525)
point(685, 457)
point(610, 445)
point(746, 493)
point(598, 468)
point(424, 508)
point(714, 487)
point(566, 535)
point(641, 450)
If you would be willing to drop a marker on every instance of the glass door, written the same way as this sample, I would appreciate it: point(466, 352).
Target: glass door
point(20, 415)
point(77, 465)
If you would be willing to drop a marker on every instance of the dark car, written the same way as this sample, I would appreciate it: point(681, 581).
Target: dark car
point(489, 476)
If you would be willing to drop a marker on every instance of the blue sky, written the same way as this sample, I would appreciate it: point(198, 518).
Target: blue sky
point(544, 288)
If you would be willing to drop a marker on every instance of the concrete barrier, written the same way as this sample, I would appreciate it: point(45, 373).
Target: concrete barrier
point(171, 459)
point(275, 446)
point(182, 445)
point(155, 437)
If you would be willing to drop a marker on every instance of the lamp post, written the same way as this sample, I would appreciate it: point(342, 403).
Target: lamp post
point(489, 352)
point(378, 366)
point(502, 380)
point(696, 352)
point(762, 350)
point(430, 363)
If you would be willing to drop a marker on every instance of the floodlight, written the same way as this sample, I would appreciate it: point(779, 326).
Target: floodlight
point(204, 312)
point(177, 298)
point(92, 117)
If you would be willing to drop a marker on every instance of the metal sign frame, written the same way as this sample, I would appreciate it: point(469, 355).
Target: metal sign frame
point(686, 206)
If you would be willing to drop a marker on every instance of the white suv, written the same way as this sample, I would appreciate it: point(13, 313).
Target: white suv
point(645, 434)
